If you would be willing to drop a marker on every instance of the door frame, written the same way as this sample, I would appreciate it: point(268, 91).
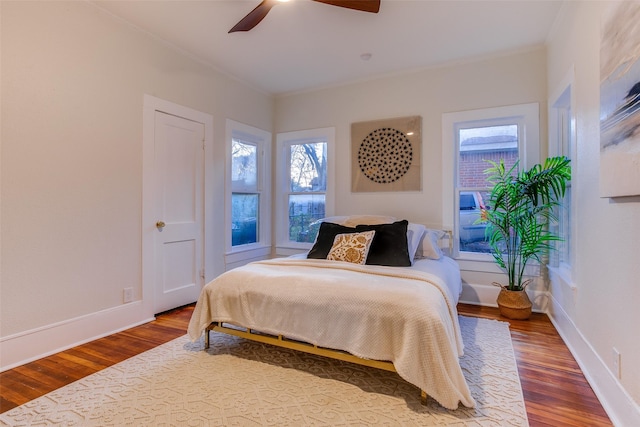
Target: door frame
point(152, 104)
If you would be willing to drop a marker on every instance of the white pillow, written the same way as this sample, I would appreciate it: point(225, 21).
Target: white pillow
point(353, 220)
point(333, 219)
point(415, 233)
point(351, 247)
point(429, 247)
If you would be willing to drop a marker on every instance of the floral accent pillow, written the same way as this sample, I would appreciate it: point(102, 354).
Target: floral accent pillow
point(351, 247)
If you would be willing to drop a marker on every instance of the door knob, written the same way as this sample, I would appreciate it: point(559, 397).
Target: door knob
point(160, 225)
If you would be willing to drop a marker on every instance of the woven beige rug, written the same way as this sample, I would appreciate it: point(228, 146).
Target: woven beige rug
point(242, 383)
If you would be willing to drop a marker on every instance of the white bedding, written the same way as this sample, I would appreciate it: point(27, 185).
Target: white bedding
point(405, 315)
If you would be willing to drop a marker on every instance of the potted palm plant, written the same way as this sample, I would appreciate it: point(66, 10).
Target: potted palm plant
point(520, 210)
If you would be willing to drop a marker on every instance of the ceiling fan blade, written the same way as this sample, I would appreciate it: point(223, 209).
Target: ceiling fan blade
point(254, 17)
point(372, 6)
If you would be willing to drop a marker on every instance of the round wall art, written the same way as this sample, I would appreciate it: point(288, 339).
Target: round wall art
point(385, 155)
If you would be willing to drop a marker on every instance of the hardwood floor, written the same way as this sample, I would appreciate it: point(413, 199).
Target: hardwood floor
point(555, 390)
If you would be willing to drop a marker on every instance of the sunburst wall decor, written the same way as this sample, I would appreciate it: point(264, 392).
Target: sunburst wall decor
point(385, 155)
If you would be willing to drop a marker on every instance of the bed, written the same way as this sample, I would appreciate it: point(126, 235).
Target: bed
point(396, 317)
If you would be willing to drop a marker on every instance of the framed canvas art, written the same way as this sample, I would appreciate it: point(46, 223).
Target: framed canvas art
point(385, 155)
point(620, 101)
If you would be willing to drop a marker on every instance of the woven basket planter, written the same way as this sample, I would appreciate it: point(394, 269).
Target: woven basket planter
point(514, 304)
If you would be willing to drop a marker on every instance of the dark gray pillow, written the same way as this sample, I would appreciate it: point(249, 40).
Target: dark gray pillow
point(389, 246)
point(326, 235)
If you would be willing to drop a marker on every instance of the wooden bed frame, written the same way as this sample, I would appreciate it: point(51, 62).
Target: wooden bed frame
point(280, 341)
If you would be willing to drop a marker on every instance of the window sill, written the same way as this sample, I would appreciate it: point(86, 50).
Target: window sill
point(482, 263)
point(246, 253)
point(293, 249)
point(562, 275)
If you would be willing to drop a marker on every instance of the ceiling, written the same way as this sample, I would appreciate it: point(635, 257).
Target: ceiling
point(303, 45)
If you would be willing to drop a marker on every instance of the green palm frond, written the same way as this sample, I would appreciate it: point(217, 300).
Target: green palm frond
point(521, 207)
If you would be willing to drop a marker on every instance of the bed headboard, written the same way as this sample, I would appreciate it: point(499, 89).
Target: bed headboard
point(445, 238)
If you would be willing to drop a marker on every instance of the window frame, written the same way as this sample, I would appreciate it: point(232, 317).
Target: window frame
point(284, 140)
point(242, 189)
point(528, 118)
point(262, 140)
point(562, 142)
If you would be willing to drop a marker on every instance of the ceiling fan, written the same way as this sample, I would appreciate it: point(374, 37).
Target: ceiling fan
point(256, 15)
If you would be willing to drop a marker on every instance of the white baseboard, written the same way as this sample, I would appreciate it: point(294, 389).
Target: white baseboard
point(25, 347)
point(620, 407)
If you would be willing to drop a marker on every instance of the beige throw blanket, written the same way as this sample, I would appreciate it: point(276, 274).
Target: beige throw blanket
point(382, 313)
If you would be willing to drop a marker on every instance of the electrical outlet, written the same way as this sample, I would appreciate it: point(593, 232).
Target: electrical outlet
point(127, 295)
point(616, 363)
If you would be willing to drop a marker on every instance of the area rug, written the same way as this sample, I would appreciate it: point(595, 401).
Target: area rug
point(242, 383)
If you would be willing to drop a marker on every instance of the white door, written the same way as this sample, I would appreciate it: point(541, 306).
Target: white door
point(178, 196)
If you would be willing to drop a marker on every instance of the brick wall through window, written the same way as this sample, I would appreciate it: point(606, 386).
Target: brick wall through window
point(473, 164)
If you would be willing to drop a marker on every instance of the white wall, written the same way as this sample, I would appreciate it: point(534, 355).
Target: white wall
point(519, 78)
point(508, 80)
point(72, 87)
point(73, 81)
point(603, 312)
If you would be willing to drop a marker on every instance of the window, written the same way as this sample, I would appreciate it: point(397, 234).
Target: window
point(307, 188)
point(509, 134)
point(305, 192)
point(561, 142)
point(248, 189)
point(477, 144)
point(245, 197)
